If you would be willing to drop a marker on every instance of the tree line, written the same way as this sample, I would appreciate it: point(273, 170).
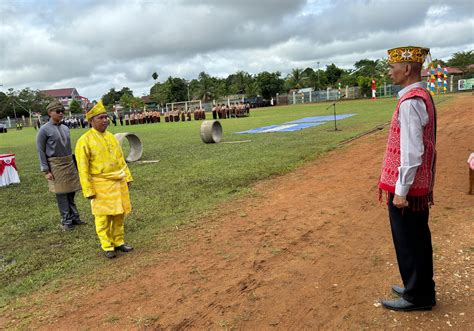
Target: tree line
point(18, 103)
point(267, 84)
point(207, 88)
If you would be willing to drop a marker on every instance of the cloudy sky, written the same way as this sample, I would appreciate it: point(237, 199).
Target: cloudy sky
point(95, 45)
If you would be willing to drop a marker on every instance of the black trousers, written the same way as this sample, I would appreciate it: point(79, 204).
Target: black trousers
point(412, 240)
point(67, 208)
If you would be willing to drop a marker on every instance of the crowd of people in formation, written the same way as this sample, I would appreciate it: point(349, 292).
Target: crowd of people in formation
point(231, 111)
point(153, 116)
point(75, 122)
point(134, 118)
point(180, 114)
point(71, 122)
point(144, 117)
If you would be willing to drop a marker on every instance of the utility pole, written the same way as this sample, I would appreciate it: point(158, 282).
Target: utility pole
point(21, 106)
point(318, 74)
point(14, 112)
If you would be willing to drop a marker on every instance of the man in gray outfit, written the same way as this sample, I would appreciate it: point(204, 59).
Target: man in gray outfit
point(56, 161)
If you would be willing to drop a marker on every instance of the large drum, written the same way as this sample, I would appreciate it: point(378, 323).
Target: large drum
point(211, 131)
point(136, 148)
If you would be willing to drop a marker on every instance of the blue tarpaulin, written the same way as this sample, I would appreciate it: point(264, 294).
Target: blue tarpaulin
point(300, 124)
point(322, 118)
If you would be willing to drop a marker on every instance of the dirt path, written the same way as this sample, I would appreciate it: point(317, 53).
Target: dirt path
point(311, 250)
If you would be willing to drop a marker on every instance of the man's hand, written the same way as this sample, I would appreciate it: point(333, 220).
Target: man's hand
point(49, 176)
point(400, 202)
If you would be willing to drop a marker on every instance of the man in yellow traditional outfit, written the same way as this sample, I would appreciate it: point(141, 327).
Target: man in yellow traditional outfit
point(105, 180)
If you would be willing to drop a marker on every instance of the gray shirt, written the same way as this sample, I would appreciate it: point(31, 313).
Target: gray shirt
point(412, 118)
point(52, 140)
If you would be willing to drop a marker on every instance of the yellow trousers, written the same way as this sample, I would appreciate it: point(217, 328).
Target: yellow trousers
point(110, 231)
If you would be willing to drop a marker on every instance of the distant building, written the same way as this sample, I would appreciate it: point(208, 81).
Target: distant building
point(305, 90)
point(66, 95)
point(148, 102)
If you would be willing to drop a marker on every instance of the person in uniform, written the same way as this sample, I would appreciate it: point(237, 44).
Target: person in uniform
point(105, 180)
point(214, 112)
point(407, 177)
point(53, 143)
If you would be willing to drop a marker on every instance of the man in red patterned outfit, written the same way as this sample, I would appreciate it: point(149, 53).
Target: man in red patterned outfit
point(407, 177)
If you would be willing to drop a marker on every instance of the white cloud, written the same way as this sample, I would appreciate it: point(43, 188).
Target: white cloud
point(96, 45)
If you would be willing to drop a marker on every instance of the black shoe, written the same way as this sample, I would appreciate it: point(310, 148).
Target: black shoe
point(110, 254)
point(124, 248)
point(398, 290)
point(79, 222)
point(67, 227)
point(403, 305)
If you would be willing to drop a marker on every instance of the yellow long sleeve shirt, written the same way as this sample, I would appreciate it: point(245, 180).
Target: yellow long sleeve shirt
point(103, 172)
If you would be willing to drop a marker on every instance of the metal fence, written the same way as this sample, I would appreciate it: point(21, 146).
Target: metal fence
point(355, 92)
point(329, 94)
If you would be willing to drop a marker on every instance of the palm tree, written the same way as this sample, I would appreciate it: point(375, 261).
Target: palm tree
point(366, 67)
point(205, 87)
point(382, 69)
point(297, 78)
point(242, 81)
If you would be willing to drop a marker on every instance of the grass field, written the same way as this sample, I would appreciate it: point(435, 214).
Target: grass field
point(190, 180)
